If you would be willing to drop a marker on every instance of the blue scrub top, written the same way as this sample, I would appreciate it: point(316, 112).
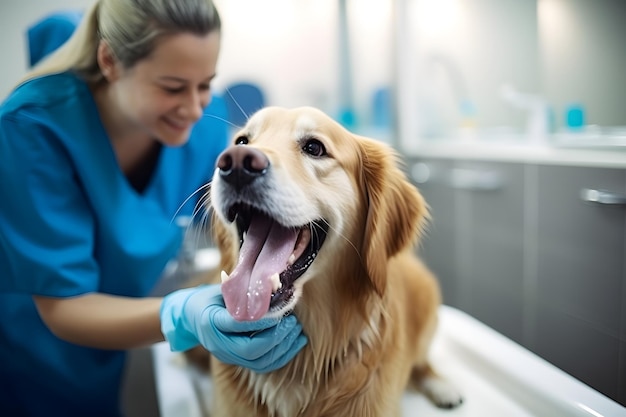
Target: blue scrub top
point(70, 224)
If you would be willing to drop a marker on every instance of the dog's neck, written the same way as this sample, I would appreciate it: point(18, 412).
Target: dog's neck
point(339, 341)
point(346, 324)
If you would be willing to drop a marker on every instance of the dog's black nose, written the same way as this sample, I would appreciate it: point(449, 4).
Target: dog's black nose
point(240, 165)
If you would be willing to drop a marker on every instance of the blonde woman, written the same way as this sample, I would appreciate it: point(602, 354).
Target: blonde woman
point(99, 147)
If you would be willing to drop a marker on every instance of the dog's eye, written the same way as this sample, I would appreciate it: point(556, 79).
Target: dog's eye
point(314, 148)
point(241, 140)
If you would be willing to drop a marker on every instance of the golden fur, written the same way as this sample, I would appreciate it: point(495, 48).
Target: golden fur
point(367, 304)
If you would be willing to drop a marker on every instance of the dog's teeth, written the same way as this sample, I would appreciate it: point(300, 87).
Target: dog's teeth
point(225, 276)
point(292, 259)
point(276, 284)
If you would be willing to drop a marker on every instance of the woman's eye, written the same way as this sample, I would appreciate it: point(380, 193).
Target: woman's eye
point(174, 90)
point(314, 148)
point(241, 140)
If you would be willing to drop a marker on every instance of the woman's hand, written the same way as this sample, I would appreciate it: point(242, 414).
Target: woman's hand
point(195, 316)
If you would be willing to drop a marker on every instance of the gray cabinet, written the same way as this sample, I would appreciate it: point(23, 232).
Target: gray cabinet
point(580, 274)
point(491, 221)
point(476, 234)
point(439, 244)
point(537, 253)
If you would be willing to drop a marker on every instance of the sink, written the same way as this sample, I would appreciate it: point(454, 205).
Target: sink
point(497, 377)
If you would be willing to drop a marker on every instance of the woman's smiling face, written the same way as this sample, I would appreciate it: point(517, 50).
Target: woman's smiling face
point(164, 94)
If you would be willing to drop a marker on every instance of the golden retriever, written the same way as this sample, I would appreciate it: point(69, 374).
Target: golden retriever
point(312, 219)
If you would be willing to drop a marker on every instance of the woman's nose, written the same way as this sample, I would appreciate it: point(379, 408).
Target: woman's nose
point(194, 105)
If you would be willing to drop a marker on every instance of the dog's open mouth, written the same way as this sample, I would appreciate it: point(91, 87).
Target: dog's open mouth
point(271, 258)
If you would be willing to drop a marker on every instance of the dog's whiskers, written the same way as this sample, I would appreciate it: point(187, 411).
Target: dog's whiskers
point(238, 105)
point(203, 209)
point(204, 202)
point(213, 116)
point(206, 186)
point(193, 228)
point(339, 234)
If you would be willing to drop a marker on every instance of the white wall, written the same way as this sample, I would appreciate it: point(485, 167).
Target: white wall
point(291, 48)
point(15, 17)
point(583, 58)
point(288, 47)
point(468, 50)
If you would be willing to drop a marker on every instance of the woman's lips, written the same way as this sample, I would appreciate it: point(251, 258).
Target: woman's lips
point(177, 125)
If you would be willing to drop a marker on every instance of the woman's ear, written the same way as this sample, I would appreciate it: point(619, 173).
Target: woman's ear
point(107, 62)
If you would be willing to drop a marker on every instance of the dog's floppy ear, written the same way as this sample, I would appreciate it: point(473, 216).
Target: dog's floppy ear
point(396, 211)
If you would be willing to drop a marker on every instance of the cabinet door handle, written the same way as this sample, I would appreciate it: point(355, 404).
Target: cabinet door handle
point(602, 197)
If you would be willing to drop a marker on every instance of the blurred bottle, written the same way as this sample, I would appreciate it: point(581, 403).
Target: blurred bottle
point(575, 117)
point(467, 125)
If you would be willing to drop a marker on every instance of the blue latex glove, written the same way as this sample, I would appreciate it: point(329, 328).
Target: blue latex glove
point(194, 316)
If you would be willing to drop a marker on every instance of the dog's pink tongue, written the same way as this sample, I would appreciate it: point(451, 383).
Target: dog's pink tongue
point(265, 251)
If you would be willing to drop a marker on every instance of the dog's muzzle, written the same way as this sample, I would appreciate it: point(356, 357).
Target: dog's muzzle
point(272, 256)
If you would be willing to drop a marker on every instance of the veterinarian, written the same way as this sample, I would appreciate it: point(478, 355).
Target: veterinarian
point(100, 146)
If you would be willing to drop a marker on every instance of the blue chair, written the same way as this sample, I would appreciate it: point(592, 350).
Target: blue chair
point(49, 33)
point(242, 100)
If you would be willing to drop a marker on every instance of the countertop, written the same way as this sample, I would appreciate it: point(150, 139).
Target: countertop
point(590, 156)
